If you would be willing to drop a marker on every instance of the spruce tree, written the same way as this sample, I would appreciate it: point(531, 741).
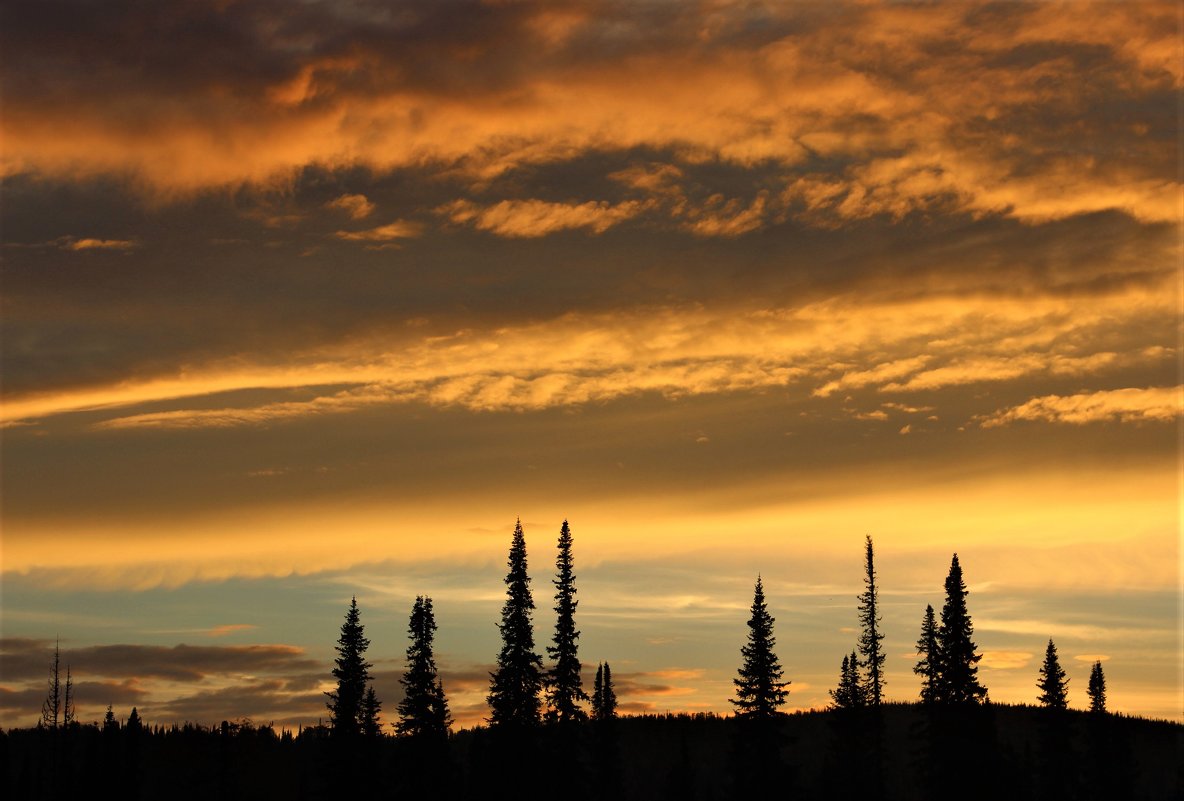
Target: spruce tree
point(515, 685)
point(608, 696)
point(850, 693)
point(957, 664)
point(927, 665)
point(352, 673)
point(68, 713)
point(370, 723)
point(564, 689)
point(51, 708)
point(759, 689)
point(423, 712)
point(598, 691)
point(1097, 688)
point(871, 638)
point(110, 724)
point(134, 725)
point(1053, 684)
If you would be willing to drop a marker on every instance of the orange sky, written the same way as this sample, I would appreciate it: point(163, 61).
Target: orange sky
point(302, 302)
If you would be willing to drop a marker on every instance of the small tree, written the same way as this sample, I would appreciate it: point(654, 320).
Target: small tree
point(759, 689)
point(927, 665)
point(134, 725)
point(563, 681)
point(871, 638)
point(1097, 688)
point(370, 723)
point(1053, 684)
point(604, 698)
point(110, 724)
point(423, 712)
point(850, 693)
point(68, 715)
point(515, 685)
point(957, 666)
point(51, 707)
point(346, 704)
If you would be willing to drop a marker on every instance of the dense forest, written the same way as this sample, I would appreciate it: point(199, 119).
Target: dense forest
point(546, 736)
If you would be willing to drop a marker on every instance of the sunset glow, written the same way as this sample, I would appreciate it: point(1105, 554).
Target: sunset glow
point(303, 301)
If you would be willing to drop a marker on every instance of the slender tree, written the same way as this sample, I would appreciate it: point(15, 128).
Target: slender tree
point(1053, 684)
point(51, 708)
point(759, 689)
point(957, 661)
point(1097, 688)
point(604, 698)
point(352, 673)
point(110, 724)
point(927, 665)
point(68, 716)
point(515, 685)
point(423, 712)
point(871, 637)
point(564, 689)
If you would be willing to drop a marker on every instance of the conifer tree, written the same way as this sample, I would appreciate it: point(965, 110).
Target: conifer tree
point(927, 665)
point(134, 725)
point(352, 674)
point(957, 664)
point(604, 697)
point(370, 723)
point(759, 689)
point(564, 689)
point(423, 712)
point(850, 692)
point(109, 721)
point(68, 715)
point(1053, 684)
point(51, 708)
point(1097, 688)
point(515, 685)
point(871, 637)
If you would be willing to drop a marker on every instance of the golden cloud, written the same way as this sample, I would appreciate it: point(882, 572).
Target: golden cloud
point(357, 207)
point(1129, 405)
point(399, 229)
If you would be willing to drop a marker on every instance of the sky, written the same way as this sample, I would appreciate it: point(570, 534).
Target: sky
point(309, 300)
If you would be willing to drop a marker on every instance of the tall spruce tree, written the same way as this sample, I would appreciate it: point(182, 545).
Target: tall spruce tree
point(346, 703)
point(871, 637)
point(515, 685)
point(927, 666)
point(423, 712)
point(564, 687)
point(1097, 688)
point(1053, 684)
point(760, 692)
point(957, 662)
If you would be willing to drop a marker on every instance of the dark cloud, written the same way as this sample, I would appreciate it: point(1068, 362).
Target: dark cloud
point(29, 658)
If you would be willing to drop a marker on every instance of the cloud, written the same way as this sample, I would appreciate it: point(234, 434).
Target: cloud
point(29, 659)
point(1005, 660)
point(358, 207)
point(913, 108)
point(230, 628)
point(1128, 405)
point(399, 229)
point(1091, 658)
point(533, 218)
point(100, 244)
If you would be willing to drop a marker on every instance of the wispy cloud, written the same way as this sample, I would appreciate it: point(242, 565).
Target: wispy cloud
point(1128, 405)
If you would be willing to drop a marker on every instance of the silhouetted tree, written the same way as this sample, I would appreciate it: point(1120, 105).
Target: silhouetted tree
point(604, 697)
point(134, 725)
point(564, 688)
point(68, 713)
point(346, 710)
point(370, 724)
point(110, 724)
point(850, 692)
point(957, 663)
point(51, 708)
point(423, 712)
point(927, 665)
point(871, 637)
point(1053, 684)
point(515, 685)
point(759, 689)
point(1097, 688)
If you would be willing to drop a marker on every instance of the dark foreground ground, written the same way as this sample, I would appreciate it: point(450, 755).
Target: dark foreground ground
point(903, 752)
